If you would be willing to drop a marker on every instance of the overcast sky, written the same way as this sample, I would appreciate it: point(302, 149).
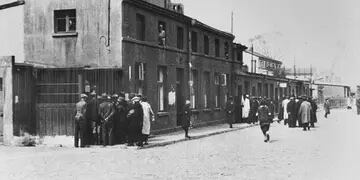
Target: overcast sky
point(321, 33)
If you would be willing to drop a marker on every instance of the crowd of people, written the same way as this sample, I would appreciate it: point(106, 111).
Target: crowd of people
point(110, 120)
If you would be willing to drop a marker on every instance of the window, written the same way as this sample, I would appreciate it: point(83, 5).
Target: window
point(226, 50)
point(224, 79)
point(239, 57)
point(194, 89)
point(206, 89)
point(65, 21)
point(180, 38)
point(140, 27)
point(1, 84)
point(140, 71)
point(259, 89)
point(194, 41)
point(217, 89)
point(217, 47)
point(206, 45)
point(161, 88)
point(162, 33)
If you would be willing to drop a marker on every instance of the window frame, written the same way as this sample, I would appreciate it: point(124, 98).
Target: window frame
point(140, 27)
point(217, 47)
point(161, 88)
point(67, 15)
point(206, 45)
point(194, 41)
point(180, 38)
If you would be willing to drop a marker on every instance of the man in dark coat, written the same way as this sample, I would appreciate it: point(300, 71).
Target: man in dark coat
point(263, 112)
point(185, 123)
point(254, 105)
point(230, 108)
point(81, 123)
point(135, 119)
point(298, 104)
point(271, 105)
point(314, 107)
point(106, 113)
point(121, 123)
point(292, 113)
point(92, 114)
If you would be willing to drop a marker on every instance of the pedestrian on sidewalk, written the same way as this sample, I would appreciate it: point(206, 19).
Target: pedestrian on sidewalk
point(186, 119)
point(254, 105)
point(148, 117)
point(107, 111)
point(92, 114)
point(314, 107)
point(358, 106)
point(264, 113)
point(121, 127)
point(305, 114)
point(135, 118)
point(327, 107)
point(285, 112)
point(81, 123)
point(230, 108)
point(245, 104)
point(298, 101)
point(292, 113)
point(271, 105)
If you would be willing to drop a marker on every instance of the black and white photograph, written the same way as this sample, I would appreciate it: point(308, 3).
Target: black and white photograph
point(179, 89)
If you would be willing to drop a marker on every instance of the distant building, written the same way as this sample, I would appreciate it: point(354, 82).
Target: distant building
point(260, 64)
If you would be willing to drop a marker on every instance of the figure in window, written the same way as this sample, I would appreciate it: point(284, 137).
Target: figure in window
point(162, 35)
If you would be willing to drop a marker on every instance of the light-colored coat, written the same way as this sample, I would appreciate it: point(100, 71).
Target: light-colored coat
point(305, 112)
point(246, 108)
point(284, 106)
point(148, 115)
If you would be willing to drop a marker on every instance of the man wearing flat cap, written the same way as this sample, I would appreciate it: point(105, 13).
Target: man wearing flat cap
point(81, 124)
point(106, 114)
point(135, 118)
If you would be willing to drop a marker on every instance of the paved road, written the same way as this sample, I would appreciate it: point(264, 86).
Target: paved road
point(330, 151)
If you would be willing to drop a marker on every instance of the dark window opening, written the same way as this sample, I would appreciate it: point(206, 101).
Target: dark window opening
point(162, 33)
point(65, 20)
point(1, 84)
point(206, 45)
point(217, 47)
point(194, 41)
point(140, 27)
point(180, 38)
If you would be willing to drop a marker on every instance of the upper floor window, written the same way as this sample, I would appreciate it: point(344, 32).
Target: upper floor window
point(194, 41)
point(65, 20)
point(217, 47)
point(139, 71)
point(206, 45)
point(140, 27)
point(226, 50)
point(162, 33)
point(180, 38)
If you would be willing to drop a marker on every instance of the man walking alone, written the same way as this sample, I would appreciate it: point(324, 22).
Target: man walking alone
point(263, 114)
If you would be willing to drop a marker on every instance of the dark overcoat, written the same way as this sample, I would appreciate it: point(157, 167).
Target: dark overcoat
point(185, 123)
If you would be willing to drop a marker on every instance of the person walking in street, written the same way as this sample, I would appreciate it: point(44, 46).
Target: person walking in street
point(271, 105)
point(230, 108)
point(327, 107)
point(148, 117)
point(264, 113)
point(81, 123)
point(245, 108)
point(92, 114)
point(106, 112)
point(135, 117)
point(284, 107)
point(314, 107)
point(186, 119)
point(298, 101)
point(292, 113)
point(305, 114)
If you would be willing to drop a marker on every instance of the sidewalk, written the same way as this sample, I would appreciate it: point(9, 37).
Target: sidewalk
point(197, 133)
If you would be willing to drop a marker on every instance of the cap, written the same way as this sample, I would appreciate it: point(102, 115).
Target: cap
point(83, 96)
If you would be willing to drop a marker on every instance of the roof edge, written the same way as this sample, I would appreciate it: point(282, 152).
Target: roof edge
point(12, 4)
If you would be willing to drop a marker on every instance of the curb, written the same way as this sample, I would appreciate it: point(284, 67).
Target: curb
point(200, 136)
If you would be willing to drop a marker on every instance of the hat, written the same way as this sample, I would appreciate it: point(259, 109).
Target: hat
point(135, 99)
point(83, 96)
point(187, 102)
point(115, 95)
point(93, 93)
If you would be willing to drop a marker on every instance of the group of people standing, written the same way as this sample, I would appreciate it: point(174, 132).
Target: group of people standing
point(110, 119)
point(298, 112)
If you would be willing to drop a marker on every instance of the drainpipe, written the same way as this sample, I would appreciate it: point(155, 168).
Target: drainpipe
point(107, 39)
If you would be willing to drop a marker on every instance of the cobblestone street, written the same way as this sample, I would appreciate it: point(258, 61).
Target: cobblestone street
point(330, 151)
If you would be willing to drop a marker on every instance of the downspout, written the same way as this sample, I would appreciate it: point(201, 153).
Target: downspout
point(107, 39)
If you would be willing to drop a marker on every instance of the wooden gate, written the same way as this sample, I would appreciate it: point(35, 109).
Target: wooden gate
point(58, 91)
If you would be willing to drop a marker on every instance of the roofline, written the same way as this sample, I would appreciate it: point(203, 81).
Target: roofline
point(336, 85)
point(181, 17)
point(12, 4)
point(261, 56)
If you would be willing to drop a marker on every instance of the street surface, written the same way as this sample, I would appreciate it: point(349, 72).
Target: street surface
point(330, 151)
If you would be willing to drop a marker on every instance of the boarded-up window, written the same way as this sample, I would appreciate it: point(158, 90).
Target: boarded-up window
point(217, 47)
point(65, 20)
point(140, 27)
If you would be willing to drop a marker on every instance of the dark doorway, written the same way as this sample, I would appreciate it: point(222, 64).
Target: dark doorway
point(180, 99)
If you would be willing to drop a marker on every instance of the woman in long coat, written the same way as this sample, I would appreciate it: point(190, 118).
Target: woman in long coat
point(305, 114)
point(186, 118)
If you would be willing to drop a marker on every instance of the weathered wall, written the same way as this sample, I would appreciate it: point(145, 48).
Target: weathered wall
point(85, 49)
point(12, 32)
point(6, 65)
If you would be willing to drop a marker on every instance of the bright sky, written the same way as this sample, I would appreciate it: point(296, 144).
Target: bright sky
point(321, 33)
